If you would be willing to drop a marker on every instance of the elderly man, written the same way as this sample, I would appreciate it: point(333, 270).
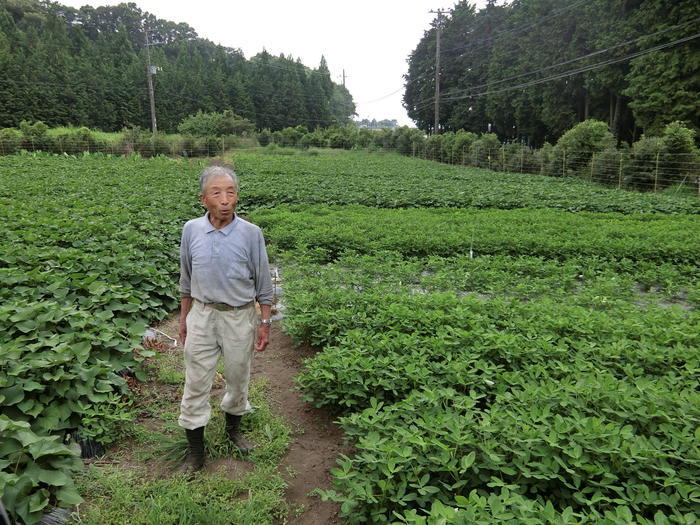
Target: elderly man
point(223, 271)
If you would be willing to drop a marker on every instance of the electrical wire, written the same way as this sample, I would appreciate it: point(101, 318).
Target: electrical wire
point(582, 57)
point(425, 102)
point(579, 70)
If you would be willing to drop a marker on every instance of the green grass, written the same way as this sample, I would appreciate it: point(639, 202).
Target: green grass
point(120, 496)
point(169, 368)
point(118, 492)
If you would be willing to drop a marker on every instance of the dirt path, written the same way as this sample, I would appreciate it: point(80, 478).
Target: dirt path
point(316, 439)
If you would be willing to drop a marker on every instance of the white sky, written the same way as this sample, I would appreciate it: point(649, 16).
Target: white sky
point(370, 39)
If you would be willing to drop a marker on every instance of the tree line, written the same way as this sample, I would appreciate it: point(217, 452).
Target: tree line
point(87, 67)
point(531, 69)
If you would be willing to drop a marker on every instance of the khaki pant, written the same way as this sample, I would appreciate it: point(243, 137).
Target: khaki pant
point(211, 333)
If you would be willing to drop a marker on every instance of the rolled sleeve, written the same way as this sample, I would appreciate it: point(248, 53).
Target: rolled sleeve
point(263, 281)
point(185, 264)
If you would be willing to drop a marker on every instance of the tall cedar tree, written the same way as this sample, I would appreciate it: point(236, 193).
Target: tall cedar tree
point(513, 68)
point(87, 67)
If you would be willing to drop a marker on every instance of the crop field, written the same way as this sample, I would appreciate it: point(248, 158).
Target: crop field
point(498, 348)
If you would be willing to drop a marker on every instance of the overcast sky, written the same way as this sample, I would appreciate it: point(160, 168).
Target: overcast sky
point(370, 39)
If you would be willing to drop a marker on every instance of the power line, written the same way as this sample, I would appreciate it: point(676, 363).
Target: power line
point(462, 94)
point(582, 57)
point(579, 70)
point(483, 40)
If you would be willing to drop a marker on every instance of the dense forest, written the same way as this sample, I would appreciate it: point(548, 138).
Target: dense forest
point(87, 67)
point(531, 69)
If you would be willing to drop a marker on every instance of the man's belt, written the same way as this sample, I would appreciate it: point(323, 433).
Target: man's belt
point(223, 307)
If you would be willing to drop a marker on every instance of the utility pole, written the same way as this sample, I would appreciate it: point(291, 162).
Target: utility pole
point(436, 126)
point(150, 71)
point(343, 77)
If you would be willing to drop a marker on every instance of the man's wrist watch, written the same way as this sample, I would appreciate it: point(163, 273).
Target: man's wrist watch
point(266, 321)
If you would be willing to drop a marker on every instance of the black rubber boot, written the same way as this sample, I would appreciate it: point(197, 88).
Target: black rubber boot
point(233, 424)
point(195, 452)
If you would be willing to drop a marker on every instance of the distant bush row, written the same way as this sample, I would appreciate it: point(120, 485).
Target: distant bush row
point(587, 151)
point(38, 137)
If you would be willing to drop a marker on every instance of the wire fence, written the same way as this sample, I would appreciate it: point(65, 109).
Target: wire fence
point(622, 169)
point(150, 147)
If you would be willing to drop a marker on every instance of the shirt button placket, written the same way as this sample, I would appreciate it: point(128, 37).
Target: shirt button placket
point(216, 246)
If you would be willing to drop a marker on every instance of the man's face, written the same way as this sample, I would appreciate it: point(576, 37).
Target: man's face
point(220, 198)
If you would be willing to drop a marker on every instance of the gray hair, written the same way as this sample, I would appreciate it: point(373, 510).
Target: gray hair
point(215, 171)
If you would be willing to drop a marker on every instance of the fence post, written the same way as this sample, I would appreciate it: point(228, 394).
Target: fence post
point(503, 158)
point(522, 159)
point(563, 164)
point(619, 174)
point(656, 173)
point(592, 162)
point(541, 164)
point(488, 155)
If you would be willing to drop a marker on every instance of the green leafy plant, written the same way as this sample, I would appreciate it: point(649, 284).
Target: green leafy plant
point(36, 471)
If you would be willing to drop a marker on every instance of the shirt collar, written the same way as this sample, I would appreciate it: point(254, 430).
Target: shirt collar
point(225, 230)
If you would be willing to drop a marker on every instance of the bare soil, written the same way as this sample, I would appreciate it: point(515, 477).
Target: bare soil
point(317, 440)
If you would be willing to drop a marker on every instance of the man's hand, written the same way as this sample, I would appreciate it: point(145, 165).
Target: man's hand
point(183, 331)
point(185, 305)
point(262, 337)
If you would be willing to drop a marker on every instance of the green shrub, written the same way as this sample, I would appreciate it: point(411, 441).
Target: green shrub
point(289, 137)
point(384, 138)
point(447, 152)
point(605, 167)
point(342, 137)
point(274, 149)
point(315, 139)
point(77, 141)
point(681, 158)
point(10, 141)
point(433, 147)
point(209, 146)
point(542, 158)
point(264, 137)
point(159, 145)
point(484, 151)
point(34, 136)
point(187, 146)
point(518, 158)
point(215, 124)
point(462, 145)
point(407, 140)
point(232, 141)
point(642, 169)
point(574, 149)
point(132, 140)
point(364, 138)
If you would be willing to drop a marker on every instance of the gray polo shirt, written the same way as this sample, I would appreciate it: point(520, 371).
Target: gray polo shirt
point(224, 266)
